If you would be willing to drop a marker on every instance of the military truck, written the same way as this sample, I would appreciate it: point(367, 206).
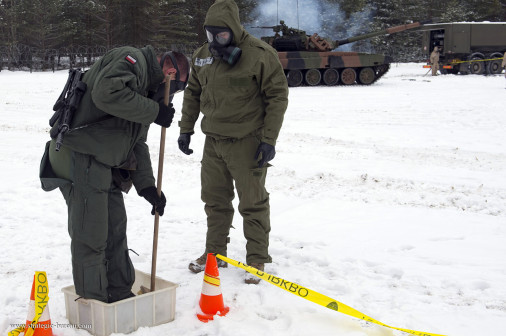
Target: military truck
point(309, 59)
point(467, 47)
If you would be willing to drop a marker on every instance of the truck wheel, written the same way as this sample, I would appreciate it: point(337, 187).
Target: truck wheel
point(313, 77)
point(366, 76)
point(477, 68)
point(294, 78)
point(331, 77)
point(348, 76)
point(494, 67)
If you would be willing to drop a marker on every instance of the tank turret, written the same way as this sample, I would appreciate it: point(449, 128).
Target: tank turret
point(285, 38)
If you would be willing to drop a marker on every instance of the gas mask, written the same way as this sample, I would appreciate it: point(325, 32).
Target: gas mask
point(176, 85)
point(219, 39)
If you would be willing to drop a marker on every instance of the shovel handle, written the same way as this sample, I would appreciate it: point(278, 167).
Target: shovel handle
point(166, 99)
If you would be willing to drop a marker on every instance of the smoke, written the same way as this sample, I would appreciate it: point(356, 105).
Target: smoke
point(308, 16)
point(313, 16)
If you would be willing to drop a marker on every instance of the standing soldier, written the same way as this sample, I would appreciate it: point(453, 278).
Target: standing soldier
point(504, 64)
point(103, 154)
point(434, 61)
point(238, 83)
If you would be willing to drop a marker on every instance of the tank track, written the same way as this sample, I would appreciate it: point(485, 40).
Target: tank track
point(381, 71)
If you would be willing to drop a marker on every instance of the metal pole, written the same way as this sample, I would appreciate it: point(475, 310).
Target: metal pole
point(298, 27)
point(277, 12)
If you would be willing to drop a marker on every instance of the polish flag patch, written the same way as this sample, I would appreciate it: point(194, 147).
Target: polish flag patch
point(131, 59)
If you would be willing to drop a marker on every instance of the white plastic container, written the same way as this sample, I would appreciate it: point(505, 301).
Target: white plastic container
point(146, 310)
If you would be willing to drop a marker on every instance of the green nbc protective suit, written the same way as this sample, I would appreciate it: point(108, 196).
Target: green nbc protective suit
point(242, 106)
point(108, 132)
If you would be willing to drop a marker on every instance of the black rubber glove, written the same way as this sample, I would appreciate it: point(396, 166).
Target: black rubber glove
point(268, 152)
point(151, 195)
point(184, 143)
point(165, 115)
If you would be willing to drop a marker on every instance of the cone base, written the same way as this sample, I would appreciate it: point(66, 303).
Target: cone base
point(207, 317)
point(42, 328)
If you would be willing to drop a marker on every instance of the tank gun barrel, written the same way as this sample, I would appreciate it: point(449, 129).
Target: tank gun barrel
point(281, 27)
point(388, 31)
point(276, 29)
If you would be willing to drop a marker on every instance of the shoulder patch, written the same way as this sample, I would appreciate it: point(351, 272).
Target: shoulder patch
point(131, 59)
point(203, 61)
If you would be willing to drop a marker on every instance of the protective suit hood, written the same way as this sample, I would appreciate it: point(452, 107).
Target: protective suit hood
point(225, 13)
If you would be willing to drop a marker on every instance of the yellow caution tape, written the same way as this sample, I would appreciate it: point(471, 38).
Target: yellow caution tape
point(16, 332)
point(41, 299)
point(315, 297)
point(477, 60)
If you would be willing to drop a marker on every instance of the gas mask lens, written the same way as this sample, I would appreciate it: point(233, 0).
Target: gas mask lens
point(223, 38)
point(219, 35)
point(210, 36)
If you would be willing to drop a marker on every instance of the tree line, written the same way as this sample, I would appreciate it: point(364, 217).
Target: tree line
point(53, 29)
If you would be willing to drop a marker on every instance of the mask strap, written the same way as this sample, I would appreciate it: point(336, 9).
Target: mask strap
point(174, 62)
point(170, 54)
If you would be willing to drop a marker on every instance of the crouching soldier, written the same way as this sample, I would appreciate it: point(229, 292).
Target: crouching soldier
point(103, 153)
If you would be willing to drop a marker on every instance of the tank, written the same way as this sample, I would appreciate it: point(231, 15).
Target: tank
point(311, 60)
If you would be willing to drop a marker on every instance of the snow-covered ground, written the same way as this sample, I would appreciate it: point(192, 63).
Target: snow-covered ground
point(390, 198)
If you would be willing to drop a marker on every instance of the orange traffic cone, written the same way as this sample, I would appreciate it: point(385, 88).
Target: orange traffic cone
point(43, 327)
point(211, 299)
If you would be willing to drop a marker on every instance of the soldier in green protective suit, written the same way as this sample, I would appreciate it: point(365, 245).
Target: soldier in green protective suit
point(103, 154)
point(503, 64)
point(238, 84)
